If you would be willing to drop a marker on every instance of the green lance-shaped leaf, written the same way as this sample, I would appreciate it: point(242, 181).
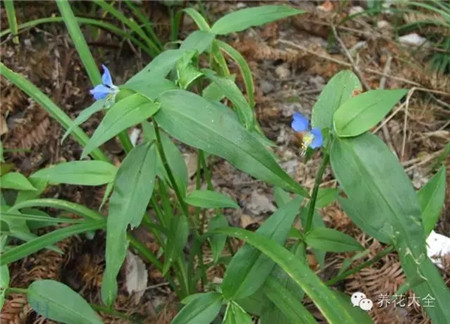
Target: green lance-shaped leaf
point(202, 308)
point(235, 314)
point(84, 115)
point(217, 242)
point(41, 242)
point(364, 111)
point(133, 188)
point(271, 312)
point(199, 40)
point(330, 240)
point(286, 301)
point(125, 113)
point(159, 67)
point(150, 88)
point(56, 301)
point(199, 20)
point(232, 92)
point(431, 198)
point(4, 282)
point(40, 186)
point(249, 268)
point(326, 196)
point(338, 90)
point(317, 222)
point(84, 173)
point(243, 67)
point(377, 187)
point(210, 199)
point(322, 296)
point(174, 158)
point(16, 181)
point(201, 124)
point(250, 17)
point(381, 194)
point(176, 240)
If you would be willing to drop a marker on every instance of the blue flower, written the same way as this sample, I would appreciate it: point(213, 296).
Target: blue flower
point(107, 89)
point(312, 137)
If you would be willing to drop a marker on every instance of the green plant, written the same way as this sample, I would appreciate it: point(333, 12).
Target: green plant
point(172, 97)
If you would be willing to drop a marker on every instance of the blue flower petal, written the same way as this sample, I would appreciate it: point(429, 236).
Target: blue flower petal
point(106, 77)
point(300, 123)
point(318, 139)
point(100, 92)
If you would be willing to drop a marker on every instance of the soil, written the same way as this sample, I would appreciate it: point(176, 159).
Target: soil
point(291, 60)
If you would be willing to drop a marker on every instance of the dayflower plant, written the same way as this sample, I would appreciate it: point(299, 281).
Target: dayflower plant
point(311, 137)
point(107, 90)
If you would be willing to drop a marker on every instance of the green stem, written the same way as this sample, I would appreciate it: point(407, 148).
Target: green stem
point(11, 15)
point(143, 251)
point(169, 172)
point(180, 265)
point(12, 290)
point(368, 263)
point(110, 311)
point(125, 141)
point(312, 203)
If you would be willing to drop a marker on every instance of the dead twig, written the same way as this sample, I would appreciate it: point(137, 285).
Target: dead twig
point(354, 66)
point(367, 70)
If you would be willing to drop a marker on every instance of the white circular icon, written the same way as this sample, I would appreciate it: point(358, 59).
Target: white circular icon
point(357, 297)
point(366, 304)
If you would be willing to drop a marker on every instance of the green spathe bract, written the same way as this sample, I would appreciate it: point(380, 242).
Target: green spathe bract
point(360, 113)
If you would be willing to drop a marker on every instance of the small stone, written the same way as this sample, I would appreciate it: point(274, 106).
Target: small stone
point(267, 87)
point(383, 24)
point(412, 39)
point(356, 9)
point(282, 72)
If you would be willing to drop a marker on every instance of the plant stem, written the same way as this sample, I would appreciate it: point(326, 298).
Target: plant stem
point(125, 141)
point(12, 290)
point(169, 172)
point(184, 280)
point(312, 203)
point(142, 249)
point(104, 309)
point(347, 273)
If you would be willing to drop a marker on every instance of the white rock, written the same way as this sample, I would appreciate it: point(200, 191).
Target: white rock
point(437, 247)
point(382, 24)
point(355, 10)
point(282, 72)
point(412, 39)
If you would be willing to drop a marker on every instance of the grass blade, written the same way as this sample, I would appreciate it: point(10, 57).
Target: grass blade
point(58, 204)
point(243, 67)
point(55, 112)
point(79, 41)
point(11, 14)
point(21, 251)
